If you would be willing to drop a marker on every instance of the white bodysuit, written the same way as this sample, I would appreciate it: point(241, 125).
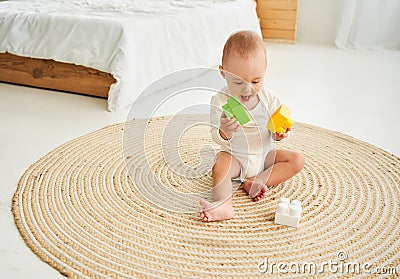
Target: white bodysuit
point(251, 144)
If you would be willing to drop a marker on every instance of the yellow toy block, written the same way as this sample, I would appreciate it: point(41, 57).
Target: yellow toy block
point(280, 121)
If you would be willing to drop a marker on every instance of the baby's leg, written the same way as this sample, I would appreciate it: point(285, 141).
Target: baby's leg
point(287, 164)
point(279, 166)
point(225, 168)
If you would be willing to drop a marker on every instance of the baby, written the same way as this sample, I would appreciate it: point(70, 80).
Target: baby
point(248, 151)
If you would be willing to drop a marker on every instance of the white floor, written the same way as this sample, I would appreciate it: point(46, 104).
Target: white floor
point(355, 92)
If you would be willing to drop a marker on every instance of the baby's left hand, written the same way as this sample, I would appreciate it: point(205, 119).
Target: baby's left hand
point(281, 136)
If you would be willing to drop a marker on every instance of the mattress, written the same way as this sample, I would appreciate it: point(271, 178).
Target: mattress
point(137, 41)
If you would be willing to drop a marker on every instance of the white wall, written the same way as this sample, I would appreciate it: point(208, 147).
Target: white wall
point(317, 20)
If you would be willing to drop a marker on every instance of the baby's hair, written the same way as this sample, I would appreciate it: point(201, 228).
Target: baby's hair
point(243, 44)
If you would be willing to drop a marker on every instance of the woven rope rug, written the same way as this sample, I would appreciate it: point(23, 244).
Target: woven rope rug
point(79, 211)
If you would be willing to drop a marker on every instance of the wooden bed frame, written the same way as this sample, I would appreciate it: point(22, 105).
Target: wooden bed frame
point(54, 75)
point(50, 74)
point(278, 21)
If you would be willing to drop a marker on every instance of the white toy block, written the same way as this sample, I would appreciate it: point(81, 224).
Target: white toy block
point(287, 213)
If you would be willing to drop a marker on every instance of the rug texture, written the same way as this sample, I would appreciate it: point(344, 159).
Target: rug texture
point(92, 209)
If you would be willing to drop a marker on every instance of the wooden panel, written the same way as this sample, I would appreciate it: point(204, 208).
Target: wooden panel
point(54, 75)
point(278, 24)
point(277, 5)
point(288, 35)
point(277, 14)
point(278, 19)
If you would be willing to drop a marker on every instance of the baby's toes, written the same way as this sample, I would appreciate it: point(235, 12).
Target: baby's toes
point(262, 194)
point(207, 218)
point(259, 194)
point(263, 191)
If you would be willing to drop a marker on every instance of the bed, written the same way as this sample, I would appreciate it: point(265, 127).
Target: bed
point(114, 48)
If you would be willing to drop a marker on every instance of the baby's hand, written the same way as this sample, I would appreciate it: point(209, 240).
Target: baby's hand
point(281, 136)
point(228, 126)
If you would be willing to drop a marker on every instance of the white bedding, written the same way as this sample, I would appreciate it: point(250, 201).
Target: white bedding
point(137, 41)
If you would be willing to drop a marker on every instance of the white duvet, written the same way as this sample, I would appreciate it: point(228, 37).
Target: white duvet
point(137, 41)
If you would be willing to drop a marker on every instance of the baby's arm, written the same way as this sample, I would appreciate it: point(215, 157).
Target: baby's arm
point(219, 136)
point(227, 127)
point(274, 104)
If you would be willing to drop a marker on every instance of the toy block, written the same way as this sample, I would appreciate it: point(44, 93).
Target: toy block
point(280, 120)
point(233, 108)
point(288, 213)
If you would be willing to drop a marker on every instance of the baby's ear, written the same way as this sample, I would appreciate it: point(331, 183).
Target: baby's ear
point(221, 70)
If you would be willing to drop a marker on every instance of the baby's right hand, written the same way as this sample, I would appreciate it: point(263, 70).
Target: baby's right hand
point(227, 127)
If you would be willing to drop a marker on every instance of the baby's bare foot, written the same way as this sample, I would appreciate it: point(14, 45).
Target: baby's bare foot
point(216, 211)
point(255, 189)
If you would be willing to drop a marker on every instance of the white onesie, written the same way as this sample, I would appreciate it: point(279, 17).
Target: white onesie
point(251, 144)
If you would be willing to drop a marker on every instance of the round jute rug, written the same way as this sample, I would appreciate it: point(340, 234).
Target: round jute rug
point(79, 210)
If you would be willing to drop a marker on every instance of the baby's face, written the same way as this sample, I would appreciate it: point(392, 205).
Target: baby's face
point(245, 76)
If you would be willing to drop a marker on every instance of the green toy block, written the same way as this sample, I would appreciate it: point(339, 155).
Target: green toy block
point(233, 108)
point(227, 110)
